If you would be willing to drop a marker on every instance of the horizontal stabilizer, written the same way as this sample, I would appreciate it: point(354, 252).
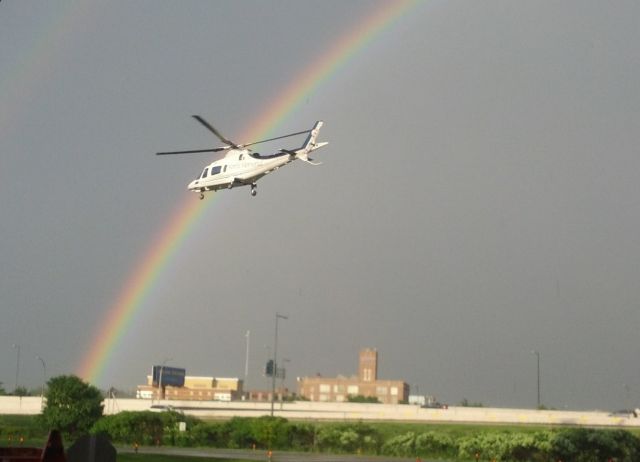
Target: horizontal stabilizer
point(302, 155)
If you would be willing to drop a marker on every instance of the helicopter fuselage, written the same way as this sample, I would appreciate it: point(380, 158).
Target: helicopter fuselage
point(239, 167)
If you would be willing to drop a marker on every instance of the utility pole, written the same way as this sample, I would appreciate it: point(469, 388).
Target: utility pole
point(275, 362)
point(44, 380)
point(537, 353)
point(246, 359)
point(17, 347)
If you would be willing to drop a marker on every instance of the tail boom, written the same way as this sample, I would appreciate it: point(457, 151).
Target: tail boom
point(310, 145)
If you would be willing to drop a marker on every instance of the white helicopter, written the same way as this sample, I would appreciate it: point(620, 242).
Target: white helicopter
point(241, 166)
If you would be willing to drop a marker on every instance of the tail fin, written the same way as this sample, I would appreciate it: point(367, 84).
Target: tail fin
point(310, 144)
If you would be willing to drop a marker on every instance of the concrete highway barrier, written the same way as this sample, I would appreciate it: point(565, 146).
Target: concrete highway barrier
point(315, 411)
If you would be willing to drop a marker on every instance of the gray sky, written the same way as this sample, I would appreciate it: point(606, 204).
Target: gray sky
point(479, 198)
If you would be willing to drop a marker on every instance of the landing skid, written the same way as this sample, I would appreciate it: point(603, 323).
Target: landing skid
point(254, 187)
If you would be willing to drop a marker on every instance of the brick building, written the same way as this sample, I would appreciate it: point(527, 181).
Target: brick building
point(195, 389)
point(365, 384)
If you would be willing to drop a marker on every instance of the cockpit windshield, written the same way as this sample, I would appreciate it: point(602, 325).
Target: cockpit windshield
point(214, 171)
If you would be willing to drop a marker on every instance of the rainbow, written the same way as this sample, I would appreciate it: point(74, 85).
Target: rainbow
point(141, 282)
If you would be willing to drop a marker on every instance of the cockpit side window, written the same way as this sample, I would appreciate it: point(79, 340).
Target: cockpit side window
point(215, 170)
point(241, 157)
point(204, 174)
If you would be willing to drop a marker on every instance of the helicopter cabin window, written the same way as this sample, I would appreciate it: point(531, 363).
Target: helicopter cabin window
point(204, 174)
point(215, 170)
point(224, 169)
point(241, 157)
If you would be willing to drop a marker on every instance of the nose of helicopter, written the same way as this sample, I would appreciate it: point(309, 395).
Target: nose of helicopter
point(193, 185)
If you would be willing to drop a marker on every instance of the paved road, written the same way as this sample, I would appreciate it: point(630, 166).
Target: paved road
point(277, 456)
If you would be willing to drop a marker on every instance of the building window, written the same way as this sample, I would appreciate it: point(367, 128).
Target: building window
point(394, 391)
point(381, 391)
point(352, 389)
point(324, 388)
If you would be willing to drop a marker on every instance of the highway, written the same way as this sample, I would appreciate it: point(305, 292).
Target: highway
point(314, 411)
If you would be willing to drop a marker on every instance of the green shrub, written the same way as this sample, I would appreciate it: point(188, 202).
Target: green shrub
point(590, 445)
point(493, 446)
point(147, 428)
point(239, 433)
point(348, 438)
point(144, 427)
point(401, 446)
point(435, 444)
point(213, 434)
point(302, 436)
point(271, 432)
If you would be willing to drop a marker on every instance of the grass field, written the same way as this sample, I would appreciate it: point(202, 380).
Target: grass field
point(13, 427)
point(160, 458)
point(456, 430)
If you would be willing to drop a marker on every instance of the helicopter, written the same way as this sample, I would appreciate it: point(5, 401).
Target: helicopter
point(243, 167)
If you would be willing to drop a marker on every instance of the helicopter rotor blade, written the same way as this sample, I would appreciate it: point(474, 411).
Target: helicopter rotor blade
point(214, 131)
point(272, 139)
point(229, 144)
point(192, 151)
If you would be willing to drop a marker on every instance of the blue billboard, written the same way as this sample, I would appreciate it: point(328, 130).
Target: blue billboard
point(172, 376)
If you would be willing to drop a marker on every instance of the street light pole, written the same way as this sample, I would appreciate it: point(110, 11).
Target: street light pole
point(537, 353)
point(17, 347)
point(284, 374)
point(246, 359)
point(275, 362)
